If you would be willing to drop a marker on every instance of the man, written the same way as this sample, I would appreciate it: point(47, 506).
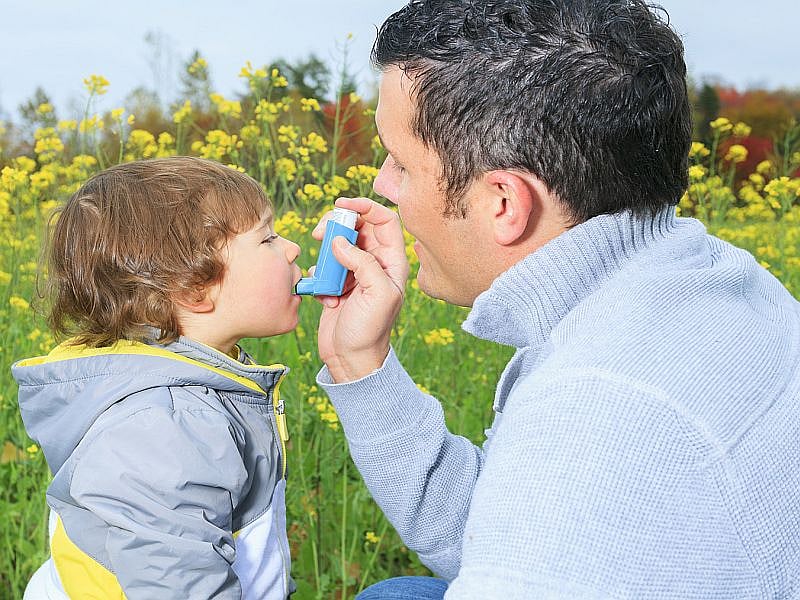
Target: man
point(646, 438)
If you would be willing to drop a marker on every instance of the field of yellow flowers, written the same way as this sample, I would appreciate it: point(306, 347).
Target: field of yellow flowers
point(340, 541)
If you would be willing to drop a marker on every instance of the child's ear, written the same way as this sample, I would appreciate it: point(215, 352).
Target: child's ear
point(198, 300)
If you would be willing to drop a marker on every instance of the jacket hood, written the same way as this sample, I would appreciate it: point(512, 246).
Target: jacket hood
point(62, 394)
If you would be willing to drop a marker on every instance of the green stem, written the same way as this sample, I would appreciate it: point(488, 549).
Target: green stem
point(343, 540)
point(374, 556)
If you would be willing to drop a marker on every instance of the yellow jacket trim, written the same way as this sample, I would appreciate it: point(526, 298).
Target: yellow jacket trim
point(81, 576)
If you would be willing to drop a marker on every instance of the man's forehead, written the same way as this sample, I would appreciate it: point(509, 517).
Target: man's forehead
point(395, 104)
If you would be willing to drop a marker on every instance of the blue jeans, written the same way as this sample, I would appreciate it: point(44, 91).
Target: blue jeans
point(406, 588)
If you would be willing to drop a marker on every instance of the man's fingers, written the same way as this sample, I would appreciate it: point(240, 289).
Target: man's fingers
point(369, 210)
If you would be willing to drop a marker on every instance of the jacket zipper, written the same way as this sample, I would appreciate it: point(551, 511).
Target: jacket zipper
point(279, 409)
point(280, 420)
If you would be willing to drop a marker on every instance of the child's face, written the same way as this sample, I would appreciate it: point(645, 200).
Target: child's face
point(255, 297)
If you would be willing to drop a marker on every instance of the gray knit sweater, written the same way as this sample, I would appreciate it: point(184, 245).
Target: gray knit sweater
point(647, 434)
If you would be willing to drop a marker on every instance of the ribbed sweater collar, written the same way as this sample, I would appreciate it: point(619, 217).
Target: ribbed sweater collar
point(525, 303)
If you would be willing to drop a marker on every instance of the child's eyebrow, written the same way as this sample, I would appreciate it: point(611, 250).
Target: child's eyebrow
point(266, 223)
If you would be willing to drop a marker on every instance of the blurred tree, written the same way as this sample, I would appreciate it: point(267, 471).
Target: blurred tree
point(162, 61)
point(310, 77)
point(707, 110)
point(767, 112)
point(144, 104)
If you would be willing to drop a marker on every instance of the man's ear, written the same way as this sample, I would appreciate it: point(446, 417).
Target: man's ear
point(514, 204)
point(198, 300)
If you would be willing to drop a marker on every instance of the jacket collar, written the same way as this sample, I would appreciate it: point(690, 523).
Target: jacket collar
point(525, 303)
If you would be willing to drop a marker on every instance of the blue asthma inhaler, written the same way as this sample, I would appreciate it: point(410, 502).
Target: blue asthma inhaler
point(329, 276)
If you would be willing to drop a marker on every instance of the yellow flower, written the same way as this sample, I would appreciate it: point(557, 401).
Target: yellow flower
point(84, 161)
point(45, 108)
point(180, 115)
point(131, 119)
point(736, 153)
point(11, 178)
point(326, 412)
point(354, 98)
point(697, 172)
point(18, 303)
point(219, 144)
point(286, 168)
point(226, 107)
point(756, 179)
point(67, 125)
point(117, 113)
point(423, 389)
point(362, 173)
point(33, 449)
point(278, 80)
point(698, 149)
point(96, 85)
point(290, 225)
point(764, 167)
point(268, 111)
point(315, 143)
point(48, 144)
point(440, 337)
point(247, 70)
point(310, 192)
point(24, 164)
point(335, 187)
point(371, 538)
point(165, 142)
point(309, 104)
point(5, 278)
point(89, 125)
point(42, 180)
point(721, 125)
point(141, 144)
point(288, 133)
point(197, 66)
point(742, 129)
point(250, 132)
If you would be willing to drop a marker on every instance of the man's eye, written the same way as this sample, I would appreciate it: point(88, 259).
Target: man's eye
point(269, 239)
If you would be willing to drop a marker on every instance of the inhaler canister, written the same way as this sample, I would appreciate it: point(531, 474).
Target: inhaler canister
point(329, 276)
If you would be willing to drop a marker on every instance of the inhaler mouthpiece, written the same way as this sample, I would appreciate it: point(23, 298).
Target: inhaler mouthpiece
point(329, 276)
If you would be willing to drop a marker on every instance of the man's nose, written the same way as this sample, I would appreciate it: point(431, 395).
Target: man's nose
point(384, 184)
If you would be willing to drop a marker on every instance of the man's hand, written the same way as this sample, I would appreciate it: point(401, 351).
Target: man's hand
point(354, 328)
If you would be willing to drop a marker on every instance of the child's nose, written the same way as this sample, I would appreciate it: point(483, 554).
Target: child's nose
point(292, 251)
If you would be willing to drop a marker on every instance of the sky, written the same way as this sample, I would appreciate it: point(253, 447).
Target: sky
point(55, 44)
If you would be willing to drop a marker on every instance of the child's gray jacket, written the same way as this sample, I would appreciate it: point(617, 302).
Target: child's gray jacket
point(168, 472)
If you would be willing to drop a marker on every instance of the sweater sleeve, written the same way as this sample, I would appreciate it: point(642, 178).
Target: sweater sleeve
point(597, 487)
point(420, 474)
point(166, 483)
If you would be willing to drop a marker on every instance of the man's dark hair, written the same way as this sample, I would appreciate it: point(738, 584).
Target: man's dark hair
point(587, 95)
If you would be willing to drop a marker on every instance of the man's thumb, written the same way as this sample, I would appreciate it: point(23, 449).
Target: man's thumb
point(361, 263)
point(343, 251)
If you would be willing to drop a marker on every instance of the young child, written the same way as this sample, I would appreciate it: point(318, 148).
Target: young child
point(165, 440)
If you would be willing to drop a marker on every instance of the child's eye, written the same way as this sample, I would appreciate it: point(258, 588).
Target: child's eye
point(270, 238)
